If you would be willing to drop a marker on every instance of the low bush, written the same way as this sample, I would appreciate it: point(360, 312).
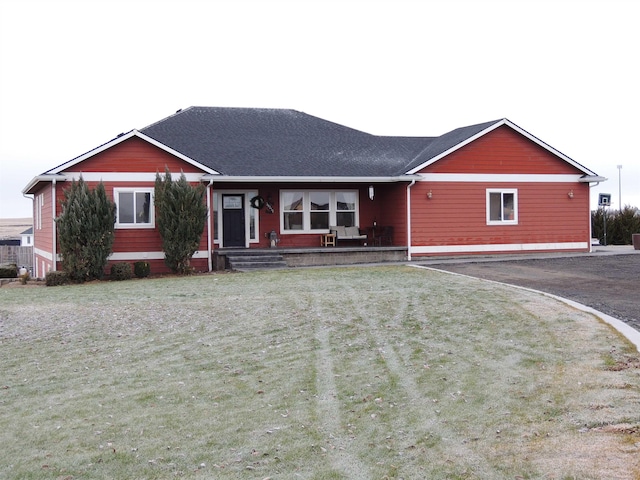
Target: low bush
point(141, 269)
point(121, 271)
point(24, 278)
point(8, 270)
point(55, 278)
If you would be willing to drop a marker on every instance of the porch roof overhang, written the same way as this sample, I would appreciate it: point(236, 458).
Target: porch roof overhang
point(304, 179)
point(29, 189)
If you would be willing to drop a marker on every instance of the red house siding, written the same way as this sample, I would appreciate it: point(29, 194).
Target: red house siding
point(502, 151)
point(134, 155)
point(43, 230)
point(131, 156)
point(456, 213)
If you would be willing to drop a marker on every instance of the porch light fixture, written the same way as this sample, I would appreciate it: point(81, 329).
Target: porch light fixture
point(570, 194)
point(371, 192)
point(429, 194)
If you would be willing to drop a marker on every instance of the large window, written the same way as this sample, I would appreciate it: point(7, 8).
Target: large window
point(319, 208)
point(316, 210)
point(502, 207)
point(135, 209)
point(293, 210)
point(346, 209)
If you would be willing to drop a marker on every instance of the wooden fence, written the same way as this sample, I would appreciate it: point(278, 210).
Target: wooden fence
point(21, 256)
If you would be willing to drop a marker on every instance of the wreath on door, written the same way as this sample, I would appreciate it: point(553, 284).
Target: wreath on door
point(257, 202)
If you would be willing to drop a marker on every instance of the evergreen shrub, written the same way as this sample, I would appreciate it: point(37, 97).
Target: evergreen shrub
point(621, 225)
point(9, 270)
point(181, 215)
point(86, 231)
point(121, 271)
point(141, 269)
point(55, 278)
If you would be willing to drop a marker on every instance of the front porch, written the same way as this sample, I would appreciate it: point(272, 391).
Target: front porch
point(315, 256)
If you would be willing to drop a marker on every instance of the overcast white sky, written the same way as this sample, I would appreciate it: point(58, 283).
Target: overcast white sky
point(74, 74)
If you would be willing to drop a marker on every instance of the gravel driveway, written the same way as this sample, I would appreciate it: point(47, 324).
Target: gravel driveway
point(607, 280)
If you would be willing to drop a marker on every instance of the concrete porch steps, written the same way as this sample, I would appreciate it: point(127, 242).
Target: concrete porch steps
point(246, 261)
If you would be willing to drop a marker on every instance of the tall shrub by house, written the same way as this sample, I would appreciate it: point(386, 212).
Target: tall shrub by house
point(180, 216)
point(85, 231)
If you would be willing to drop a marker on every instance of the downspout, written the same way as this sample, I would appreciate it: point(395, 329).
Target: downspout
point(409, 219)
point(53, 221)
point(33, 225)
point(210, 230)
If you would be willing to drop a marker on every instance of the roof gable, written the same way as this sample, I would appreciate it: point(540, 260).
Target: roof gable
point(118, 140)
point(458, 138)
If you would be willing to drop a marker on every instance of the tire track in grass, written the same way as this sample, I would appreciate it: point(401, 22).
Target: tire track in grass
point(329, 413)
point(392, 355)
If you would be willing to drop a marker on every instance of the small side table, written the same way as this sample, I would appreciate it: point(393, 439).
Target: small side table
point(328, 240)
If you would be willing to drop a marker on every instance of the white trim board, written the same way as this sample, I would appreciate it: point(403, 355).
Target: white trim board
point(43, 253)
point(498, 178)
point(128, 177)
point(502, 247)
point(131, 256)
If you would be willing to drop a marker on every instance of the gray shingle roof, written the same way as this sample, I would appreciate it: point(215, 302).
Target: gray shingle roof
point(255, 142)
point(279, 142)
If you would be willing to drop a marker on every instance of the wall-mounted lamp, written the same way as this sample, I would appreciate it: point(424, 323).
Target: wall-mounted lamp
point(429, 194)
point(371, 192)
point(570, 194)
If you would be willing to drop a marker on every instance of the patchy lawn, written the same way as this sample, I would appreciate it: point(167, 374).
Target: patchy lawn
point(345, 373)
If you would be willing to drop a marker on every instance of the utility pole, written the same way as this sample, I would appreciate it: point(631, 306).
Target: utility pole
point(620, 188)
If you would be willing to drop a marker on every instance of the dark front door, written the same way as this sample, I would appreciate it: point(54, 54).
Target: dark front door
point(233, 221)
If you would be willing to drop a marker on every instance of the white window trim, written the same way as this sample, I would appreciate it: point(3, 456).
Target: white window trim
point(152, 209)
point(514, 191)
point(39, 205)
point(306, 211)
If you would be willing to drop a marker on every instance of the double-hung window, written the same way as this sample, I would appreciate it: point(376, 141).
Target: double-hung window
point(502, 207)
point(316, 210)
point(135, 208)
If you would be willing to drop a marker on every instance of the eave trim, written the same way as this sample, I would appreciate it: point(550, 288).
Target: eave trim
point(41, 178)
point(309, 179)
point(592, 179)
